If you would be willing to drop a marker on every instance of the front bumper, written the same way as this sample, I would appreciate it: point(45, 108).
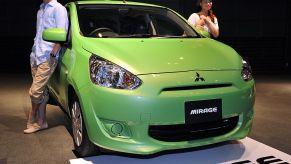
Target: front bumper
point(120, 119)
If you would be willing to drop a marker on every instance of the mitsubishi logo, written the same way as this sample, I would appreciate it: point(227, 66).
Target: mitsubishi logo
point(198, 77)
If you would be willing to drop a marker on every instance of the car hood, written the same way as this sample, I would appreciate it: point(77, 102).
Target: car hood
point(163, 55)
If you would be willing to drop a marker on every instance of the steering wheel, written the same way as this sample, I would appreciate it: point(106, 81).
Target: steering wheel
point(102, 30)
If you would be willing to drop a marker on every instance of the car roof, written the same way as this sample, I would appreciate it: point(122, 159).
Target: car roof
point(81, 2)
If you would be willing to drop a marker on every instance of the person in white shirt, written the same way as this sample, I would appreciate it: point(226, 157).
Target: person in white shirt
point(205, 18)
point(43, 60)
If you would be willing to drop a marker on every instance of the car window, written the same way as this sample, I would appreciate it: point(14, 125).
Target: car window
point(69, 32)
point(126, 21)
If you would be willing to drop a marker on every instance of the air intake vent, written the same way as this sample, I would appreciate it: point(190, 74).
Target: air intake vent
point(188, 132)
point(197, 87)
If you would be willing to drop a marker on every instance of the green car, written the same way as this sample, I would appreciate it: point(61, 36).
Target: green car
point(137, 78)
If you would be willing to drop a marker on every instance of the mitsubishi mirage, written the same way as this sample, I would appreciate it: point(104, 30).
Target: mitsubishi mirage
point(137, 78)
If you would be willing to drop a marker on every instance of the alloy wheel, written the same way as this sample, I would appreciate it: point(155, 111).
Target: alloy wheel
point(77, 123)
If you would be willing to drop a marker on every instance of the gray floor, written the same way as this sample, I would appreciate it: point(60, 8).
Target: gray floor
point(271, 125)
point(53, 145)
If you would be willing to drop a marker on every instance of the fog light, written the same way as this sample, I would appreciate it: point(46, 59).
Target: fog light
point(117, 129)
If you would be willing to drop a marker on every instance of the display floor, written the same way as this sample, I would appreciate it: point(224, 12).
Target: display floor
point(246, 151)
point(271, 127)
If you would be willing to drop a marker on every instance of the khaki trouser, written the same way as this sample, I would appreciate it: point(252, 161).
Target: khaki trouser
point(41, 75)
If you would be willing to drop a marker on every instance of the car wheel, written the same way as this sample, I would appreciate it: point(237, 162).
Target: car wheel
point(83, 146)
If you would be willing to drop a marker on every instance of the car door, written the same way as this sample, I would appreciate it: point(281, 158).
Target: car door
point(58, 84)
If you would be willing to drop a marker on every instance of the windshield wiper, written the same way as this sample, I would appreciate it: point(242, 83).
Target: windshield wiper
point(153, 36)
point(176, 36)
point(134, 36)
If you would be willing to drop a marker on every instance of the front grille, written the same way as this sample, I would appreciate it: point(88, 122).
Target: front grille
point(209, 86)
point(183, 132)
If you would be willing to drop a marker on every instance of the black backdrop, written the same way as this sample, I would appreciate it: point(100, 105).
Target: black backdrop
point(259, 30)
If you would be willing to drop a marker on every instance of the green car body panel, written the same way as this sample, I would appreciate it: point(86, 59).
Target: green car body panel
point(119, 119)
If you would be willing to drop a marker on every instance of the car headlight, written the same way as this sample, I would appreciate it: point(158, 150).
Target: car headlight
point(246, 72)
point(110, 75)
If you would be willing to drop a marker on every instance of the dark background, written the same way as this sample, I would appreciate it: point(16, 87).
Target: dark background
point(259, 30)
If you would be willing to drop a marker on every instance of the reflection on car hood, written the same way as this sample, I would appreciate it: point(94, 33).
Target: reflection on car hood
point(160, 55)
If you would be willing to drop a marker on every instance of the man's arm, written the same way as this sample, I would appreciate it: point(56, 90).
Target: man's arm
point(61, 18)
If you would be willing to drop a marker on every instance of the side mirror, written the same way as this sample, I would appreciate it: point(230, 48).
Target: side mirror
point(54, 35)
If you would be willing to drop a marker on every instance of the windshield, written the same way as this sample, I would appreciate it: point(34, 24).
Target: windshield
point(128, 21)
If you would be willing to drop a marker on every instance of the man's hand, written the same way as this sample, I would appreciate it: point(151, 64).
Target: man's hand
point(55, 49)
point(52, 55)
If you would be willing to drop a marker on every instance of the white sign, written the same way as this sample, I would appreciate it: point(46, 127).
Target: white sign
point(246, 151)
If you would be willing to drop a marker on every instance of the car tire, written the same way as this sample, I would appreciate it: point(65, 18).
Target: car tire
point(83, 146)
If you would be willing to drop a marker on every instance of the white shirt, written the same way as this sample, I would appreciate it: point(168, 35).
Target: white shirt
point(194, 18)
point(51, 15)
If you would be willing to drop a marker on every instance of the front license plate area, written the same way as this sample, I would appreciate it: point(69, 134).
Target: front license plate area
point(203, 111)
